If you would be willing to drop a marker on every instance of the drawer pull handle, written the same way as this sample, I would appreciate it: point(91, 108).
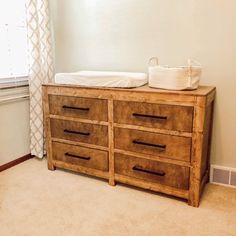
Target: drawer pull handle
point(76, 108)
point(141, 169)
point(77, 156)
point(150, 144)
point(150, 116)
point(76, 132)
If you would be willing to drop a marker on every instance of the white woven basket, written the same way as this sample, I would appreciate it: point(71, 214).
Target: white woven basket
point(175, 78)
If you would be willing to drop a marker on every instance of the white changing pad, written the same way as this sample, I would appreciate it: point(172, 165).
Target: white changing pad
point(102, 79)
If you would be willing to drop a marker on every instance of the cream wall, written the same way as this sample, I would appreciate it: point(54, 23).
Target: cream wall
point(123, 34)
point(14, 130)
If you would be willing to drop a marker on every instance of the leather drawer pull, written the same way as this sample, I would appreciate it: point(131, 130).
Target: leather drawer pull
point(76, 108)
point(141, 169)
point(76, 132)
point(150, 116)
point(150, 144)
point(77, 156)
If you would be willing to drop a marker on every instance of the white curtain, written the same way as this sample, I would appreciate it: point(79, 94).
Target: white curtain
point(41, 67)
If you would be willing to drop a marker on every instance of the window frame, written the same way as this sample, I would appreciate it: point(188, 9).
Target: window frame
point(13, 94)
point(18, 79)
point(15, 82)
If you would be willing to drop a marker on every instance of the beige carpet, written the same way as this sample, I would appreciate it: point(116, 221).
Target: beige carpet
point(35, 201)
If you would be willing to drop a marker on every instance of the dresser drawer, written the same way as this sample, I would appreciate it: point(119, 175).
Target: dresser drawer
point(84, 108)
point(152, 171)
point(170, 117)
point(79, 132)
point(174, 147)
point(76, 155)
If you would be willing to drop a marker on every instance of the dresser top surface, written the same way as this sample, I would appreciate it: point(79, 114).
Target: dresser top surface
point(201, 91)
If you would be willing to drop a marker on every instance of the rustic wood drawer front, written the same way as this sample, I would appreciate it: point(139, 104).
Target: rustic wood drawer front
point(169, 146)
point(170, 117)
point(80, 132)
point(84, 108)
point(150, 138)
point(152, 171)
point(81, 156)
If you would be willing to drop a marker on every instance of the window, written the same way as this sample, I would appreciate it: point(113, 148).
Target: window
point(13, 42)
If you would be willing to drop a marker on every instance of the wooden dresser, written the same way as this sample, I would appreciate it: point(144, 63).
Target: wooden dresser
point(153, 139)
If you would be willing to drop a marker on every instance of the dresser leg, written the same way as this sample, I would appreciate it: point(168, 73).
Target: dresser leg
point(112, 182)
point(193, 203)
point(194, 190)
point(194, 199)
point(51, 166)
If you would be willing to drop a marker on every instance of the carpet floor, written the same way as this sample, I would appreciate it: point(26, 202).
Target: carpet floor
point(38, 202)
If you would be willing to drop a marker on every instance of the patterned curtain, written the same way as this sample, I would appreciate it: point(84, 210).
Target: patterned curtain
point(41, 68)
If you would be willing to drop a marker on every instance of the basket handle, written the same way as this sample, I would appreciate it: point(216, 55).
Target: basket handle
point(191, 62)
point(153, 61)
point(194, 62)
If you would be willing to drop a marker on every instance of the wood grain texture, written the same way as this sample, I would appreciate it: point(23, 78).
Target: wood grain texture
point(211, 107)
point(201, 91)
point(47, 127)
point(206, 140)
point(82, 156)
point(78, 107)
point(81, 169)
point(80, 132)
point(175, 161)
point(176, 147)
point(88, 145)
point(154, 157)
point(177, 118)
point(197, 150)
point(152, 171)
point(111, 143)
point(152, 186)
point(154, 130)
point(61, 117)
point(147, 95)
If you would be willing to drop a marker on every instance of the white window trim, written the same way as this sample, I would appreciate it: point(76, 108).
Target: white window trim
point(13, 82)
point(14, 94)
point(13, 79)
